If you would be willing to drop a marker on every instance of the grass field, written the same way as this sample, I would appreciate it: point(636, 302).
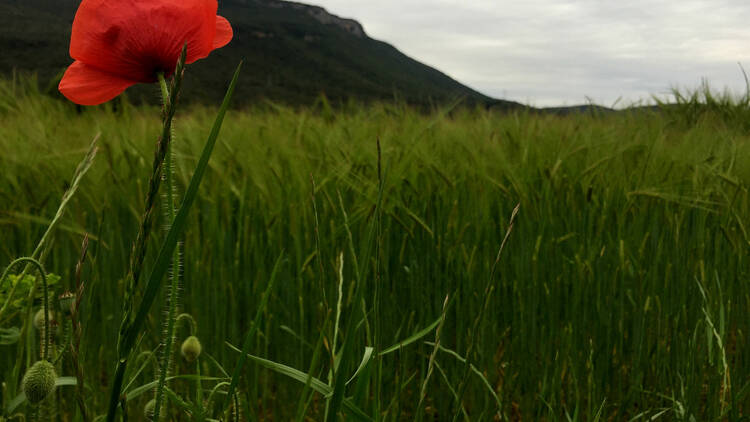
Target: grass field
point(621, 294)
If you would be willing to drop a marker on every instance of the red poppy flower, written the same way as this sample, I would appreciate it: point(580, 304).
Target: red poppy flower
point(119, 43)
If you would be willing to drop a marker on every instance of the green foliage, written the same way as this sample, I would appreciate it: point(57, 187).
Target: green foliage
point(691, 107)
point(23, 288)
point(621, 294)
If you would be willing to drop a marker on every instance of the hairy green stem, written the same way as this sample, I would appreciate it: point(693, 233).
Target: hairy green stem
point(126, 340)
point(172, 298)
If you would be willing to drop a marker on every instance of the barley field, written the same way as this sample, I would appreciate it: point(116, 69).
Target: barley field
point(369, 262)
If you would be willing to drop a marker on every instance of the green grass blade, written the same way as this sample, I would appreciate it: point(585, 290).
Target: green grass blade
point(315, 383)
point(250, 333)
point(339, 383)
point(474, 369)
point(19, 399)
point(431, 362)
point(317, 352)
point(412, 338)
point(365, 360)
point(145, 388)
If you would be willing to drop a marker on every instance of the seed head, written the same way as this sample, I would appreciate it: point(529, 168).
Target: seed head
point(191, 348)
point(66, 301)
point(39, 381)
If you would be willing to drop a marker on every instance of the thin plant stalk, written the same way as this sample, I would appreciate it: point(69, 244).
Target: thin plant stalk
point(431, 364)
point(77, 333)
point(174, 275)
point(139, 246)
point(376, 287)
point(478, 321)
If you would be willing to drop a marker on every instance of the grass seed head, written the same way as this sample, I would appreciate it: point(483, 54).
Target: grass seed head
point(191, 348)
point(39, 381)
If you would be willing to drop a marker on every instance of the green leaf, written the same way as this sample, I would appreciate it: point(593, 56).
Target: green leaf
point(365, 360)
point(145, 388)
point(9, 336)
point(315, 383)
point(411, 339)
point(19, 399)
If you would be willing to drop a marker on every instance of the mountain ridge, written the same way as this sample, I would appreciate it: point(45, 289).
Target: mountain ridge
point(293, 52)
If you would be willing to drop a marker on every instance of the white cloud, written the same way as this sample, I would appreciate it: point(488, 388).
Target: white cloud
point(549, 52)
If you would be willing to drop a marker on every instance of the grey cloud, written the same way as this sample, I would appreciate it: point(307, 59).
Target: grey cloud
point(558, 52)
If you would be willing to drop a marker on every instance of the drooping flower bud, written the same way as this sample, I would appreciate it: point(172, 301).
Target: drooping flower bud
point(191, 348)
point(66, 301)
point(39, 319)
point(39, 381)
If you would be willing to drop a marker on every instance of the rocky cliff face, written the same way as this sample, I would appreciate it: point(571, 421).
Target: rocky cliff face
point(349, 25)
point(320, 14)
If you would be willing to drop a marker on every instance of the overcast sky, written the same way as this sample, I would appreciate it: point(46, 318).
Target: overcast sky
point(546, 52)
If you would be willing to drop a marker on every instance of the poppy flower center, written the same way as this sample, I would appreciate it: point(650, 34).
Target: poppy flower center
point(154, 63)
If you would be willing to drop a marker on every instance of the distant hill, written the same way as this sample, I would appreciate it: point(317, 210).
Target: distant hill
point(293, 52)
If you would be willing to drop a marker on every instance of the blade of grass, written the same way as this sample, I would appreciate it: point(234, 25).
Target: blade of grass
point(318, 351)
point(339, 380)
point(431, 363)
point(315, 383)
point(249, 337)
point(145, 388)
point(19, 399)
point(414, 337)
point(474, 333)
point(474, 369)
point(365, 360)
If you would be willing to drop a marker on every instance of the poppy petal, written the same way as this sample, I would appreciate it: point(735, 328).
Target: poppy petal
point(136, 39)
point(223, 32)
point(86, 85)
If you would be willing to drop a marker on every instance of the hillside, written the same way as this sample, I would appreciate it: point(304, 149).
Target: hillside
point(293, 52)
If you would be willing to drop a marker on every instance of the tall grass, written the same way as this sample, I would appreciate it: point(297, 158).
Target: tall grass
point(622, 293)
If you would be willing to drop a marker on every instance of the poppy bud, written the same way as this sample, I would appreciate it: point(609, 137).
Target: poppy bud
point(39, 381)
point(148, 409)
point(191, 348)
point(39, 319)
point(66, 301)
